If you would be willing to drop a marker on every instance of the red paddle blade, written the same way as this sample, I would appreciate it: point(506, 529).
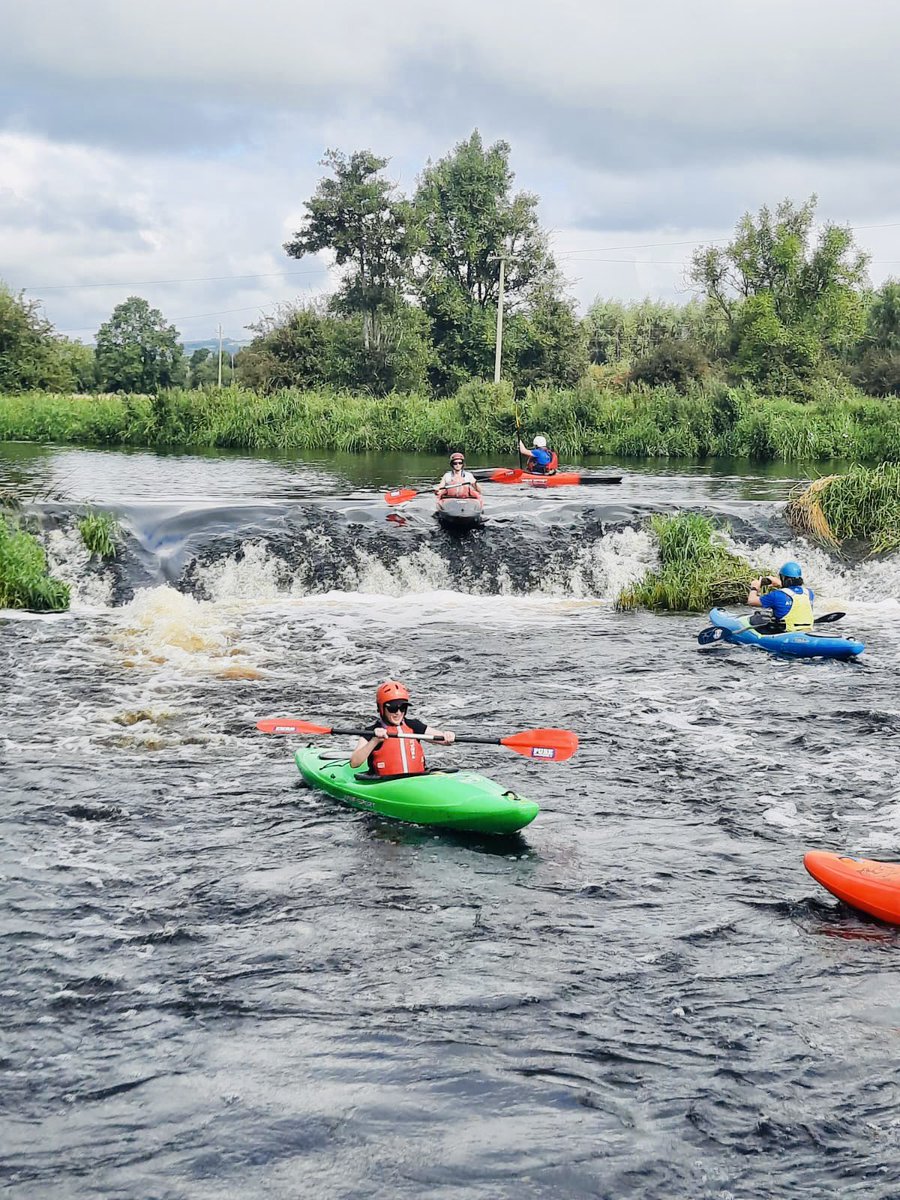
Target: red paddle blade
point(545, 745)
point(289, 725)
point(400, 495)
point(506, 475)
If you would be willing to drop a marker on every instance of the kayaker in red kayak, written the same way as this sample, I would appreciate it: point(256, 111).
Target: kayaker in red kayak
point(541, 461)
point(458, 483)
point(385, 753)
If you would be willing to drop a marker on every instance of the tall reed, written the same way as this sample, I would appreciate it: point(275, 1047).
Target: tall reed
point(659, 422)
point(862, 505)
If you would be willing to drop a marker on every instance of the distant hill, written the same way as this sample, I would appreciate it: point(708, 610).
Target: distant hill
point(229, 346)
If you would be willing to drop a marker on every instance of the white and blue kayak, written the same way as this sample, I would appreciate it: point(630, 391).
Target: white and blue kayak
point(739, 631)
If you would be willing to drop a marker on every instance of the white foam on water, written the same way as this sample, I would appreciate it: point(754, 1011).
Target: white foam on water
point(162, 627)
point(872, 585)
point(602, 568)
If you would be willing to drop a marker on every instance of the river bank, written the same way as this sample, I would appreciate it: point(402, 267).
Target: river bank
point(733, 422)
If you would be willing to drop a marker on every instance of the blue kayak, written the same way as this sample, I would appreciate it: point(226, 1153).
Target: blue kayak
point(739, 631)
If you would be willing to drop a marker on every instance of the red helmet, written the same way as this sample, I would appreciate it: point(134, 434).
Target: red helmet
point(390, 690)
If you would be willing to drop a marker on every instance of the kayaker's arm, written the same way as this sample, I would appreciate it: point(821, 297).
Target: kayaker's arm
point(364, 748)
point(754, 596)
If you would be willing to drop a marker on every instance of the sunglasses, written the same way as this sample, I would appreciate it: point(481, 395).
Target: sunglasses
point(457, 462)
point(396, 706)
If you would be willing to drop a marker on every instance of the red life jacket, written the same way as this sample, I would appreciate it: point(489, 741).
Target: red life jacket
point(397, 756)
point(463, 491)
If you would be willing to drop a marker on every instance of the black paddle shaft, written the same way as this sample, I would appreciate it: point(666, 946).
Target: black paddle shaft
point(368, 734)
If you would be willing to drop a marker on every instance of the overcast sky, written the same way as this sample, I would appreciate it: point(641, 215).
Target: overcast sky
point(151, 148)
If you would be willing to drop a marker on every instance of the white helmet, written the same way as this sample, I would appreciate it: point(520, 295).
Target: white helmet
point(540, 443)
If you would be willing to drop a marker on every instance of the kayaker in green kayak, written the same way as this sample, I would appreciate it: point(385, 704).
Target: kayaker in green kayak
point(384, 751)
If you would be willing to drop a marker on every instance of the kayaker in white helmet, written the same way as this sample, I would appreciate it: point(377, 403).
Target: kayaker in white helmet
point(541, 460)
point(790, 602)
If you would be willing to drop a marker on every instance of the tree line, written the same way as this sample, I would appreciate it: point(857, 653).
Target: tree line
point(784, 306)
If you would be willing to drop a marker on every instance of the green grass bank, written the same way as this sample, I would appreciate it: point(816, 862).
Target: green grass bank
point(862, 506)
point(661, 422)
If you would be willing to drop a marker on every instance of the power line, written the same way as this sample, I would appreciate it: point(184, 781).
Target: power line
point(57, 287)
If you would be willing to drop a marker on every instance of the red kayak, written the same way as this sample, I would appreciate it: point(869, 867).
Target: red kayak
point(871, 886)
point(531, 479)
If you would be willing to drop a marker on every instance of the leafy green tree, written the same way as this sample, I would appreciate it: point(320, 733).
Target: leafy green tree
point(137, 351)
point(548, 344)
point(790, 299)
point(469, 215)
point(30, 355)
point(79, 364)
point(291, 349)
point(401, 364)
point(883, 319)
point(674, 363)
point(203, 368)
point(371, 232)
point(623, 333)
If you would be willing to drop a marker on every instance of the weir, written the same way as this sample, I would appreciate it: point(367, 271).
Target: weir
point(269, 550)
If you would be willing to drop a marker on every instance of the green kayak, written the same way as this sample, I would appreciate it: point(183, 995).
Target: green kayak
point(447, 799)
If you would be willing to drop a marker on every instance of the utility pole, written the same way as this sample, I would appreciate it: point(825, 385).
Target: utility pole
point(498, 353)
point(220, 356)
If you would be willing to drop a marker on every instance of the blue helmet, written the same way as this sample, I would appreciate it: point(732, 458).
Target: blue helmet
point(791, 570)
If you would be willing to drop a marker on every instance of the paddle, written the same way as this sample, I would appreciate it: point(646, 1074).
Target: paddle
point(715, 633)
point(518, 435)
point(400, 495)
point(545, 745)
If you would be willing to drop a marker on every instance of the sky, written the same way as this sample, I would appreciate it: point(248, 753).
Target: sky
point(166, 150)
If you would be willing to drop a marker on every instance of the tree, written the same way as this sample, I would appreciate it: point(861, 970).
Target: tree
point(79, 364)
point(137, 351)
point(548, 344)
point(883, 319)
point(291, 349)
point(789, 298)
point(203, 368)
point(371, 232)
point(469, 216)
point(30, 352)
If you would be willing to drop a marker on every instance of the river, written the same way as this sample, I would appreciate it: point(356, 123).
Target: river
point(217, 982)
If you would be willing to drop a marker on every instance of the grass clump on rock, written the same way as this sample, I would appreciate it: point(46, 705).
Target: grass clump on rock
point(696, 570)
point(24, 578)
point(862, 505)
point(100, 534)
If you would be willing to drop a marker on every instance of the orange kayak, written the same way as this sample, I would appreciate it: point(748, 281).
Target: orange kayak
point(873, 887)
point(558, 479)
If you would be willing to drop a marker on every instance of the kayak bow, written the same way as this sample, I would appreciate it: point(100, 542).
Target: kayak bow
point(871, 886)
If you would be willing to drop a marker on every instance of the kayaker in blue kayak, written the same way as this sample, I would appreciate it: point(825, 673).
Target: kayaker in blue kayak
point(387, 754)
point(790, 602)
point(541, 460)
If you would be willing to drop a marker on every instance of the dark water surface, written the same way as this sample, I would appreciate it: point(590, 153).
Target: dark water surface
point(217, 983)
